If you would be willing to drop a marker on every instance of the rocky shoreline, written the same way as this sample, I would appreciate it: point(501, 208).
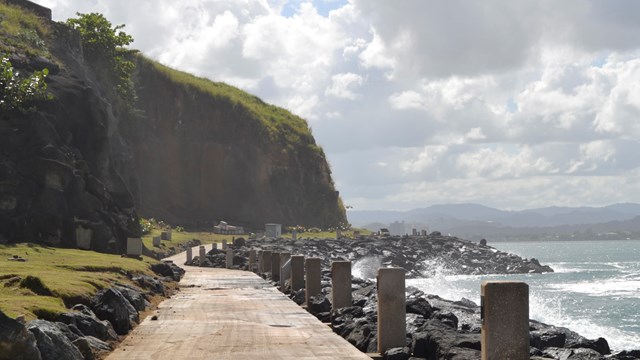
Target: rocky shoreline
point(436, 328)
point(87, 331)
point(413, 253)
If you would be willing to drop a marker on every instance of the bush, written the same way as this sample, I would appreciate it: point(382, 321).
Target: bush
point(19, 92)
point(103, 46)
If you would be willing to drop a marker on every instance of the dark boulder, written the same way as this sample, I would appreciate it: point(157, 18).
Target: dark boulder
point(419, 306)
point(547, 338)
point(52, 342)
point(435, 339)
point(147, 282)
point(600, 345)
point(16, 342)
point(458, 353)
point(162, 269)
point(397, 353)
point(319, 304)
point(572, 354)
point(447, 318)
point(91, 348)
point(88, 323)
point(135, 298)
point(111, 305)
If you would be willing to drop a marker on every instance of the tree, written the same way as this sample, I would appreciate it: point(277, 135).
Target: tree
point(104, 47)
point(19, 92)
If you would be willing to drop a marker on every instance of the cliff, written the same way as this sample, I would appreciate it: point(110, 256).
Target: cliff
point(207, 151)
point(83, 166)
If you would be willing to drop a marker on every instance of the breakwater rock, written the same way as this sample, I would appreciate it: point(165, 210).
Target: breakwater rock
point(443, 329)
point(418, 255)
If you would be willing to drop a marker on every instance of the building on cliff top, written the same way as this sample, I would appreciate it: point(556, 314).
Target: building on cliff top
point(224, 228)
point(273, 230)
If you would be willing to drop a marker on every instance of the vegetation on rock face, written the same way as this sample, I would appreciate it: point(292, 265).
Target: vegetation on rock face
point(19, 92)
point(280, 125)
point(22, 31)
point(104, 47)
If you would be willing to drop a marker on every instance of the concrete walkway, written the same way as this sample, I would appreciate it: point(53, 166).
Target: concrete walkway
point(231, 314)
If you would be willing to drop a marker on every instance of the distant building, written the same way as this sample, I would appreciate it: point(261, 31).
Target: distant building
point(273, 230)
point(224, 228)
point(397, 228)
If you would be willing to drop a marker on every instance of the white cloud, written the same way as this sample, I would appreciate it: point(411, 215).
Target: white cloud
point(407, 100)
point(508, 103)
point(344, 85)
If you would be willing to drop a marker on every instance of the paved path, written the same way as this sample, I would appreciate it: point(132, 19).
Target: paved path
point(231, 314)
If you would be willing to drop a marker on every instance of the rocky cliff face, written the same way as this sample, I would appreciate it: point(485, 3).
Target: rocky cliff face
point(201, 157)
point(81, 169)
point(57, 166)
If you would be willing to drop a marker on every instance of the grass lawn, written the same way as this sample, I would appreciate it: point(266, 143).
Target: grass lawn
point(51, 277)
point(182, 237)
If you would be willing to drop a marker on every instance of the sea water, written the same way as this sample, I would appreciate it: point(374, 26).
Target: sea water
point(594, 291)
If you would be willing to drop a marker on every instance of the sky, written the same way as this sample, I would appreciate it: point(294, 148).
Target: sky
point(510, 104)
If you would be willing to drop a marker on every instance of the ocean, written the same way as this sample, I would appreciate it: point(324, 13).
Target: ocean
point(595, 289)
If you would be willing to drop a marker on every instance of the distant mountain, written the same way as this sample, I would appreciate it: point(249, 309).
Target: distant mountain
point(450, 218)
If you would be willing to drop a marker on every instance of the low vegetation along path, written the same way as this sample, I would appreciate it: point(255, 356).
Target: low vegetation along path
point(231, 314)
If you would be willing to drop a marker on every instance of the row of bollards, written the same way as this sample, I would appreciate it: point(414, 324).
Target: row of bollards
point(504, 304)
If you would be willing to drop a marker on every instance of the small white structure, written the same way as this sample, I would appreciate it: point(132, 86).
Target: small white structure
point(134, 247)
point(224, 228)
point(83, 238)
point(273, 230)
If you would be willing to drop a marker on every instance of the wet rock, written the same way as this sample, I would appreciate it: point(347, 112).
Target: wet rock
point(52, 342)
point(420, 306)
point(16, 342)
point(572, 354)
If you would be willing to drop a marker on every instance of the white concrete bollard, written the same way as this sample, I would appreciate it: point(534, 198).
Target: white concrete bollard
point(202, 255)
point(313, 278)
point(229, 259)
point(297, 272)
point(224, 244)
point(252, 260)
point(340, 284)
point(294, 235)
point(214, 246)
point(391, 309)
point(266, 261)
point(189, 254)
point(338, 234)
point(505, 320)
point(284, 258)
point(275, 266)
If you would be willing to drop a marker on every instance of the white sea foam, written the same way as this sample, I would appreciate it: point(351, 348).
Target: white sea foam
point(549, 309)
point(366, 268)
point(607, 287)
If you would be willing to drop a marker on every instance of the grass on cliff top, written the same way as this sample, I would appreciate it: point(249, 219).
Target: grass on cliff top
point(22, 31)
point(279, 123)
point(179, 238)
point(51, 277)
